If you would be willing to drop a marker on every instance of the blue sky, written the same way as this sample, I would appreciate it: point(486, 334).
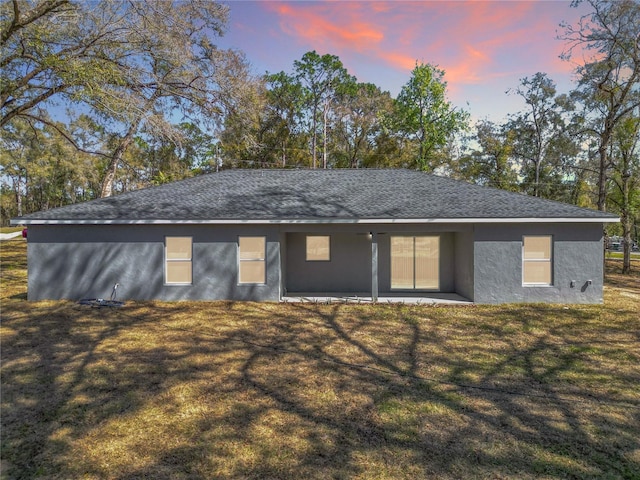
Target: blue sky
point(485, 47)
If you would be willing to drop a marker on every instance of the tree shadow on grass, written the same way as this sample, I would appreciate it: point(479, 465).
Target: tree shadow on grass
point(229, 390)
point(443, 426)
point(57, 382)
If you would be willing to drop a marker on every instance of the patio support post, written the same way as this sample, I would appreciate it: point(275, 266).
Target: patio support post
point(374, 267)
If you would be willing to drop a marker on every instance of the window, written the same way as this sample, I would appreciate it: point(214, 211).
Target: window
point(177, 255)
point(415, 263)
point(251, 260)
point(536, 260)
point(318, 248)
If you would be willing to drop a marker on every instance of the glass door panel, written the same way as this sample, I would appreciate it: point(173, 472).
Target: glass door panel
point(401, 262)
point(415, 263)
point(427, 264)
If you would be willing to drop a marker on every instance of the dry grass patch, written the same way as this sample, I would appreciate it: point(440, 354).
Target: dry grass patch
point(243, 390)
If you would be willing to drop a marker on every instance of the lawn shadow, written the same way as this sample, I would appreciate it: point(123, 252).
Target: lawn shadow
point(59, 382)
point(246, 390)
point(443, 423)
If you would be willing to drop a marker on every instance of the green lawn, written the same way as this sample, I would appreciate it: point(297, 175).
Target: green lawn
point(616, 254)
point(254, 391)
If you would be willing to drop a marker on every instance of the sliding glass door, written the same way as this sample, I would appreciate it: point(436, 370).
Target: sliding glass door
point(415, 263)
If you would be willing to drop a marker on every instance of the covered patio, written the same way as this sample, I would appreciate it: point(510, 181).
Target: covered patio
point(412, 264)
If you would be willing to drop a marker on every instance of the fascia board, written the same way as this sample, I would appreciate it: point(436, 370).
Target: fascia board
point(339, 221)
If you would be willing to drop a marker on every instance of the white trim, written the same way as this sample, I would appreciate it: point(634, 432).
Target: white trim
point(167, 261)
point(328, 221)
point(263, 259)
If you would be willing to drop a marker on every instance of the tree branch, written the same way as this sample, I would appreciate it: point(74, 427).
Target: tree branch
point(65, 135)
point(46, 7)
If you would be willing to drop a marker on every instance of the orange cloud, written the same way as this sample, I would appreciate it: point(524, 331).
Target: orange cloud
point(399, 60)
point(327, 24)
point(475, 42)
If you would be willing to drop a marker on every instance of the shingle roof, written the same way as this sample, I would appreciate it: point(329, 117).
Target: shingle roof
point(314, 195)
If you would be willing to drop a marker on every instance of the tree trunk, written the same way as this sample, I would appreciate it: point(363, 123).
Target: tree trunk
point(324, 135)
point(314, 138)
point(627, 224)
point(422, 162)
point(18, 188)
point(118, 153)
point(602, 178)
point(284, 154)
point(626, 262)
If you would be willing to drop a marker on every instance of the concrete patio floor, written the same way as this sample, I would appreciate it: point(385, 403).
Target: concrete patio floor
point(427, 299)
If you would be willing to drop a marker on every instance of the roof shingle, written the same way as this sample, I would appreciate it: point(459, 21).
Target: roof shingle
point(323, 195)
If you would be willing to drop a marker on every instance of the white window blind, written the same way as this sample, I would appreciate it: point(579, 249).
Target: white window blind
point(252, 260)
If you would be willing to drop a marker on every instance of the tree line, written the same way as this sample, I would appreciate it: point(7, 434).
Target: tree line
point(98, 98)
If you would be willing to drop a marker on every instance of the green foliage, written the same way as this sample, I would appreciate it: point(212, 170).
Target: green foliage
point(542, 142)
point(608, 79)
point(425, 116)
point(41, 170)
point(159, 102)
point(324, 82)
point(624, 182)
point(492, 163)
point(321, 109)
point(359, 126)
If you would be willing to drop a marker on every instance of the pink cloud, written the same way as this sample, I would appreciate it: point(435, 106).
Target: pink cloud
point(475, 42)
point(399, 60)
point(316, 24)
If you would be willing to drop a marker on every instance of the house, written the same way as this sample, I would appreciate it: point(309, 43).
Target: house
point(265, 235)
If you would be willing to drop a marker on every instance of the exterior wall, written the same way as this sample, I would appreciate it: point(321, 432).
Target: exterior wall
point(350, 268)
point(577, 256)
point(481, 262)
point(463, 263)
point(85, 261)
point(75, 262)
point(348, 271)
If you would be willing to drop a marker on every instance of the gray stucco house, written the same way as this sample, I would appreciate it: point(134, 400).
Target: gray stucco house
point(267, 235)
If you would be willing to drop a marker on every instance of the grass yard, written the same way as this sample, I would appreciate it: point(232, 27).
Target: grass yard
point(267, 391)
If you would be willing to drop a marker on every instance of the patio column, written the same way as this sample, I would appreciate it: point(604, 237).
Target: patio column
point(374, 266)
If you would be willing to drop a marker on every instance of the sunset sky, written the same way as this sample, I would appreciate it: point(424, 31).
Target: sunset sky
point(485, 47)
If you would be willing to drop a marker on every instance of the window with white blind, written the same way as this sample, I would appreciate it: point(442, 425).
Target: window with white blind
point(318, 248)
point(415, 263)
point(252, 260)
point(177, 260)
point(537, 260)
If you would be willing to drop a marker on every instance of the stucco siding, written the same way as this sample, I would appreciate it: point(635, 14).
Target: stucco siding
point(577, 257)
point(347, 271)
point(482, 262)
point(463, 261)
point(74, 262)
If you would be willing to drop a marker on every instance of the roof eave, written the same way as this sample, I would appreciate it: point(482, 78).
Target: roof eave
point(284, 221)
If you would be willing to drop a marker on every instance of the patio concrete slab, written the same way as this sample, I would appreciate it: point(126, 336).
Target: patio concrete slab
point(430, 299)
